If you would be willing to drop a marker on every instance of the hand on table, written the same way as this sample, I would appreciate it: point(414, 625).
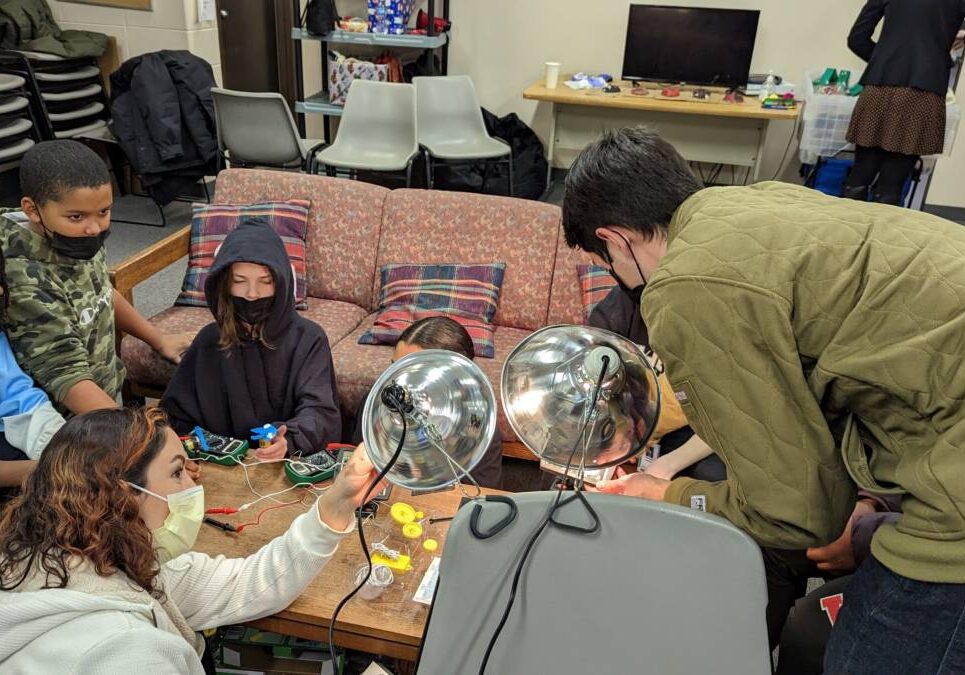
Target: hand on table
point(640, 485)
point(278, 448)
point(661, 470)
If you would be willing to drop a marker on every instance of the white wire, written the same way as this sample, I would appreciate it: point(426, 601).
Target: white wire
point(453, 464)
point(244, 507)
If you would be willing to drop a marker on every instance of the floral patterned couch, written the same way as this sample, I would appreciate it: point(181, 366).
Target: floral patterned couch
point(355, 228)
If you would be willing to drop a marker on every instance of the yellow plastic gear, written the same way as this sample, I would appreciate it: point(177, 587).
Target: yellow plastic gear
point(412, 530)
point(430, 545)
point(402, 513)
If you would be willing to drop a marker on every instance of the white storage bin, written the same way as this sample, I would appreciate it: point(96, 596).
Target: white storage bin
point(825, 120)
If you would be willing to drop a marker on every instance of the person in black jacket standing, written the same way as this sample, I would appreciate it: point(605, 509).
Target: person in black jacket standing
point(900, 115)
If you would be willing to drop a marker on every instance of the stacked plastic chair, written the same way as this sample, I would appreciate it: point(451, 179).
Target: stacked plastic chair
point(18, 130)
point(71, 96)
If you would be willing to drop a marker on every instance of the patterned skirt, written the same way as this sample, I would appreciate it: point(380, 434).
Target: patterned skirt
point(899, 119)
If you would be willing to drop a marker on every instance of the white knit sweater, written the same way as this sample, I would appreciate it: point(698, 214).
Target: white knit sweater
point(108, 625)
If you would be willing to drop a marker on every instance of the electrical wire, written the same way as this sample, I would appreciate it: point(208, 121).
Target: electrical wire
point(548, 519)
point(314, 490)
point(257, 520)
point(228, 510)
point(780, 167)
point(398, 406)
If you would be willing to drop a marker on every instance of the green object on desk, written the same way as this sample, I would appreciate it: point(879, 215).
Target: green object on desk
point(211, 447)
point(312, 469)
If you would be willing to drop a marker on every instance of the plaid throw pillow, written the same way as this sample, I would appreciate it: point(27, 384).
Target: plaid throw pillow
point(211, 223)
point(595, 284)
point(468, 294)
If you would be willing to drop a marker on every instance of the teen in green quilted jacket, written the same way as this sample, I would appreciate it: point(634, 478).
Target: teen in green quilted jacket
point(818, 345)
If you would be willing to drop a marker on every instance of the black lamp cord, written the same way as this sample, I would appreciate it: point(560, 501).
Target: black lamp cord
point(548, 519)
point(395, 400)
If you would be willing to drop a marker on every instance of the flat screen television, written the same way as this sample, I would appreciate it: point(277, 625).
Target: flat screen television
point(710, 47)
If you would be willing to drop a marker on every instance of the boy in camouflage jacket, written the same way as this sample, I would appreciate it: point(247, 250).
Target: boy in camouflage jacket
point(62, 308)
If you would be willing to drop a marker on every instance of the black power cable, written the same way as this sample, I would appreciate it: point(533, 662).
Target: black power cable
point(548, 520)
point(393, 396)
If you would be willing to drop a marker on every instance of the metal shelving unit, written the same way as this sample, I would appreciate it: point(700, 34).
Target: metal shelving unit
point(318, 103)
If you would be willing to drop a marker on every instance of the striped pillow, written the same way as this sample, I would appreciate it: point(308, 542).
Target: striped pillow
point(468, 294)
point(211, 223)
point(595, 284)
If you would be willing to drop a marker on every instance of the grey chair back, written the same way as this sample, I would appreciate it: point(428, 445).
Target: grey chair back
point(257, 128)
point(657, 589)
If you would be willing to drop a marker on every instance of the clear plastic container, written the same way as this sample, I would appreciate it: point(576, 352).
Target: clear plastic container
point(380, 579)
point(825, 120)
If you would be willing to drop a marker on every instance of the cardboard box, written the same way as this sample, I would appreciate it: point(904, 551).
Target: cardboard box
point(243, 658)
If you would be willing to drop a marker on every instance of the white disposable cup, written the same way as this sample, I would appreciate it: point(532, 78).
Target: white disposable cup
point(552, 74)
point(380, 580)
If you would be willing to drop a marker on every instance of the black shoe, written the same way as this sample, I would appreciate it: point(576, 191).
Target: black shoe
point(859, 192)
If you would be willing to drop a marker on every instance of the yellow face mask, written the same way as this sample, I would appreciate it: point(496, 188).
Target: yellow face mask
point(179, 531)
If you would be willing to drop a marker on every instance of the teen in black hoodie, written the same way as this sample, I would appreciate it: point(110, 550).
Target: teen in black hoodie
point(275, 368)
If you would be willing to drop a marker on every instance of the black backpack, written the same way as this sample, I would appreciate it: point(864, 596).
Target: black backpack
point(320, 16)
point(529, 164)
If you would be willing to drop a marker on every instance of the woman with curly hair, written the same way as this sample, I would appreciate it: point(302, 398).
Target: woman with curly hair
point(96, 572)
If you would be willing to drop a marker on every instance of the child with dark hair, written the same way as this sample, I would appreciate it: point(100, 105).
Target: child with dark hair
point(62, 308)
point(441, 332)
point(435, 332)
point(260, 362)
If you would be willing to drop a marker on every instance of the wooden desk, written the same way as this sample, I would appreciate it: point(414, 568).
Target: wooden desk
point(736, 136)
point(392, 625)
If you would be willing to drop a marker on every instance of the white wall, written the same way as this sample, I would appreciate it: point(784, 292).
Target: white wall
point(503, 44)
point(946, 187)
point(172, 24)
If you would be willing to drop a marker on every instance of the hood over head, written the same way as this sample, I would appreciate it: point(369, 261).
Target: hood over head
point(253, 241)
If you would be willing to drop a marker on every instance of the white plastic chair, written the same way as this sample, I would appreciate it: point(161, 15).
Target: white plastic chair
point(657, 589)
point(257, 129)
point(377, 131)
point(451, 127)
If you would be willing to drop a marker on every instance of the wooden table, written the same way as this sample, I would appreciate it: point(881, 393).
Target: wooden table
point(702, 131)
point(391, 625)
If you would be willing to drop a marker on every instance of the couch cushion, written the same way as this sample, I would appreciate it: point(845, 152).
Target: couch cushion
point(425, 227)
point(343, 226)
point(357, 367)
point(145, 367)
point(566, 304)
point(210, 226)
point(595, 285)
point(467, 294)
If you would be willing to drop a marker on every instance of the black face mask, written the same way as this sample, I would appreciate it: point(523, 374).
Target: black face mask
point(80, 248)
point(634, 293)
point(252, 311)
